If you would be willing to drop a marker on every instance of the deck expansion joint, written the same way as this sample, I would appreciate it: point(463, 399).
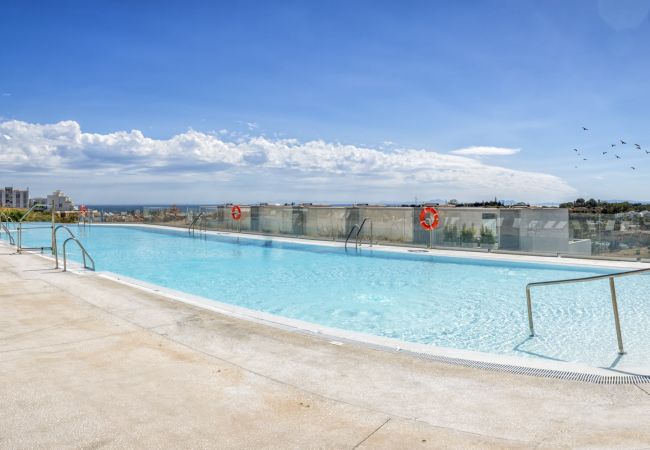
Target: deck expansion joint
point(373, 432)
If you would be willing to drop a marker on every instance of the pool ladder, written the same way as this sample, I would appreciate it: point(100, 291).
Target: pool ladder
point(198, 221)
point(4, 227)
point(358, 227)
point(83, 221)
point(84, 253)
point(612, 292)
point(5, 219)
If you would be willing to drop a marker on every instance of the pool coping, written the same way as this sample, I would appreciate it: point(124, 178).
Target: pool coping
point(460, 357)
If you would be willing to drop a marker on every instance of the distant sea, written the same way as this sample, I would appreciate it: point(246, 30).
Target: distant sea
point(183, 207)
point(127, 208)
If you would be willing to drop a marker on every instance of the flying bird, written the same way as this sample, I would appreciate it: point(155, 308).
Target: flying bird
point(604, 153)
point(584, 159)
point(623, 142)
point(575, 149)
point(613, 145)
point(647, 152)
point(632, 167)
point(585, 129)
point(617, 157)
point(638, 146)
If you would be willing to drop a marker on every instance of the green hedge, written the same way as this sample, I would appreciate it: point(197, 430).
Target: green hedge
point(40, 216)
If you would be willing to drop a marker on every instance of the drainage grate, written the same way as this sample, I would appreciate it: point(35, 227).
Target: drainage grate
point(493, 367)
point(535, 372)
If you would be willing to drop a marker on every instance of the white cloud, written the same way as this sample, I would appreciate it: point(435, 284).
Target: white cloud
point(259, 166)
point(486, 151)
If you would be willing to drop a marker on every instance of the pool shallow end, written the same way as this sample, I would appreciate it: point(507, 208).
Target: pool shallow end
point(460, 357)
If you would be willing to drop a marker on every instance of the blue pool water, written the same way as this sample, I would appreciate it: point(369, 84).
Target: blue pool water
point(451, 302)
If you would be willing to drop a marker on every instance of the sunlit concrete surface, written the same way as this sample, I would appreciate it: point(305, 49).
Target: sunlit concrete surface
point(86, 362)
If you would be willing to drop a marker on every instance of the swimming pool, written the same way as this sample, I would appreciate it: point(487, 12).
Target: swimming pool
point(462, 303)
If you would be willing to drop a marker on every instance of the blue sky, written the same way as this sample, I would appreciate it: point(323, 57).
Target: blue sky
point(363, 79)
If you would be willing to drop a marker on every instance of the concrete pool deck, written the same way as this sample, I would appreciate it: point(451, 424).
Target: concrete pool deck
point(87, 362)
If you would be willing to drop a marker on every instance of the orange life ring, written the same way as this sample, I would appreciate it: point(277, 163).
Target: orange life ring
point(235, 212)
point(423, 218)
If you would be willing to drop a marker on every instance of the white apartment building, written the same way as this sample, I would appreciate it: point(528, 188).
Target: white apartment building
point(61, 201)
point(14, 198)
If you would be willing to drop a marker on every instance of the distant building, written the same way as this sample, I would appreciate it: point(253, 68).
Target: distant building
point(61, 202)
point(14, 198)
point(37, 201)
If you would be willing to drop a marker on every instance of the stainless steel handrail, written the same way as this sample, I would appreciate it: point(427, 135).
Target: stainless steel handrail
point(356, 241)
point(29, 211)
point(12, 241)
point(84, 253)
point(20, 227)
point(612, 291)
point(350, 234)
point(192, 228)
point(8, 219)
point(56, 247)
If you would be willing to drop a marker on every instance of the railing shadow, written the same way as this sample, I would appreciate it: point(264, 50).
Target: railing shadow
point(616, 361)
point(517, 348)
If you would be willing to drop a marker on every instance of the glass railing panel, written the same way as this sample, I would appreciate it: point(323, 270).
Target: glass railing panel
point(620, 236)
point(546, 231)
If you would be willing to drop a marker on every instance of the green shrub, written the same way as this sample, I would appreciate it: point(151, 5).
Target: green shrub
point(450, 233)
point(487, 236)
point(467, 234)
point(40, 216)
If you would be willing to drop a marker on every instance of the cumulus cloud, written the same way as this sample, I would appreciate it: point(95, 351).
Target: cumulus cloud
point(486, 151)
point(313, 170)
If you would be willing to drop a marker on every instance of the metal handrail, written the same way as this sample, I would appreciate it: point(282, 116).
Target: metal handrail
point(612, 291)
point(6, 230)
point(84, 253)
point(350, 234)
point(56, 247)
point(29, 211)
point(7, 218)
point(20, 227)
point(20, 230)
point(192, 228)
point(356, 241)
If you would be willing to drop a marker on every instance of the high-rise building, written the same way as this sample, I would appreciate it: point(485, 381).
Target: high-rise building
point(14, 198)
